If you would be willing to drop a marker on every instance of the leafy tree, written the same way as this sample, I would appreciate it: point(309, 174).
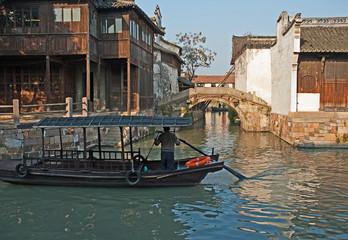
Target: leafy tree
point(194, 53)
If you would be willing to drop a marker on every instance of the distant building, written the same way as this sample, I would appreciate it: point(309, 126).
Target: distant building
point(99, 49)
point(214, 80)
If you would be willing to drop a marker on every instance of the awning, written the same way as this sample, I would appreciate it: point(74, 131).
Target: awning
point(113, 121)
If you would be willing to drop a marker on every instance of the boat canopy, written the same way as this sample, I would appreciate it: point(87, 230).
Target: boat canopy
point(113, 121)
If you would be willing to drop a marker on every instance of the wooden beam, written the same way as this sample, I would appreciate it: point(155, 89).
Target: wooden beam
point(84, 144)
point(129, 104)
point(99, 144)
point(48, 78)
point(88, 78)
point(43, 142)
point(98, 85)
point(122, 143)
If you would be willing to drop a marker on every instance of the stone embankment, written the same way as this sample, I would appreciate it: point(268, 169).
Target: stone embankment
point(312, 130)
point(17, 140)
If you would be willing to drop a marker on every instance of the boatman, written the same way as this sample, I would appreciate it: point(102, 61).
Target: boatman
point(167, 140)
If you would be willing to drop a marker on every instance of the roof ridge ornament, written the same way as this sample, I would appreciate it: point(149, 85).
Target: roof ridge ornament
point(339, 21)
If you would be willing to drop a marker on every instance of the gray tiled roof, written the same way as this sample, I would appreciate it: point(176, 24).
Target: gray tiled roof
point(324, 39)
point(113, 121)
point(114, 4)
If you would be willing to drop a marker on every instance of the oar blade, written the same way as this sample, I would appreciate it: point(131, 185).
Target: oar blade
point(235, 173)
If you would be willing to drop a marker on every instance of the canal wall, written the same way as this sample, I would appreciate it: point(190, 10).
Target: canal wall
point(312, 129)
point(16, 140)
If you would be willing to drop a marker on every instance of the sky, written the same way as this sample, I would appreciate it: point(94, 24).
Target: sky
point(219, 20)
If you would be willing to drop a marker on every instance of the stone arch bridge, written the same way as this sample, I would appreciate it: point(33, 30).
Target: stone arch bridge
point(253, 112)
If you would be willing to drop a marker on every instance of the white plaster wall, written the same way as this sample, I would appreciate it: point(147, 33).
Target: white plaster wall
point(170, 47)
point(172, 77)
point(157, 74)
point(284, 76)
point(241, 72)
point(253, 73)
point(259, 73)
point(308, 102)
point(165, 77)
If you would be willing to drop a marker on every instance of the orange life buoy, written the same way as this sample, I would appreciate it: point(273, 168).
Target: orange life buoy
point(198, 162)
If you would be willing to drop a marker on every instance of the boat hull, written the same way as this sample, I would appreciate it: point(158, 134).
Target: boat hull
point(83, 178)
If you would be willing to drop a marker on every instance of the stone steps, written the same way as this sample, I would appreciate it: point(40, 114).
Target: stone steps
point(327, 134)
point(112, 137)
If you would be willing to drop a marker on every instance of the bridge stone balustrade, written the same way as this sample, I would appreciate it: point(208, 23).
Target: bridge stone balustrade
point(254, 113)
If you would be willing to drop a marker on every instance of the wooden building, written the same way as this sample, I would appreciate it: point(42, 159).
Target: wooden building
point(323, 61)
point(99, 49)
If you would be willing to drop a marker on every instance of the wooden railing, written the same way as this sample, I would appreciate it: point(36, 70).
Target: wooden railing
point(67, 109)
point(81, 160)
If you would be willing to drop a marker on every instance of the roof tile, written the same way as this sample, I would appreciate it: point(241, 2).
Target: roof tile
point(324, 39)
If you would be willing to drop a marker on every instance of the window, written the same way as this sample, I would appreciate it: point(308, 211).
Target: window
point(118, 25)
point(59, 14)
point(134, 29)
point(20, 17)
point(27, 17)
point(76, 14)
point(93, 22)
point(67, 14)
point(10, 19)
point(111, 25)
point(35, 17)
point(2, 20)
point(146, 36)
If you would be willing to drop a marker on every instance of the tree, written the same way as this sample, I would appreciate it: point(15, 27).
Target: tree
point(194, 53)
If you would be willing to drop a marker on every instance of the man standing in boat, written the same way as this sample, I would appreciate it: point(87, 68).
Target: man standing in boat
point(167, 140)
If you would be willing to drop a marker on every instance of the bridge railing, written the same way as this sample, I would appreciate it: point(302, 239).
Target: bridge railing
point(226, 91)
point(180, 96)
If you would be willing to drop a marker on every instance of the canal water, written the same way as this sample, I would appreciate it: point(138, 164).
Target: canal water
point(290, 194)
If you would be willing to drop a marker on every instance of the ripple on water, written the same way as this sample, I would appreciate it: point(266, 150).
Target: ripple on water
point(290, 194)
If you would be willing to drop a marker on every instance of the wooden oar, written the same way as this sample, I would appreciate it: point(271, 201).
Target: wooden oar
point(193, 147)
point(235, 173)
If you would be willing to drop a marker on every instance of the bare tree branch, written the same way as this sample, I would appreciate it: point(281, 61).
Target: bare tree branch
point(194, 53)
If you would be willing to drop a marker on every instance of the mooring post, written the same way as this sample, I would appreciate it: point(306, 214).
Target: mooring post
point(69, 107)
point(15, 111)
point(85, 107)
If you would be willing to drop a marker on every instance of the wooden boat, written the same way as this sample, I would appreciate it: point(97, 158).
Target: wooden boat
point(104, 168)
point(217, 109)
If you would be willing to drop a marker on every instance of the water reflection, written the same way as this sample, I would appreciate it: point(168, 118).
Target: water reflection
point(291, 194)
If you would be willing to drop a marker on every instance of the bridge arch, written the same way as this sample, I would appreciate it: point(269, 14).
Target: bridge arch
point(253, 112)
point(216, 99)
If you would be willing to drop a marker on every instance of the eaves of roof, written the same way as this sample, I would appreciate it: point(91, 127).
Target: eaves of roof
point(324, 39)
point(113, 5)
point(156, 46)
point(241, 43)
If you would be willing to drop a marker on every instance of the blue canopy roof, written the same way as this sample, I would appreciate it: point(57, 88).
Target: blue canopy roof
point(114, 121)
